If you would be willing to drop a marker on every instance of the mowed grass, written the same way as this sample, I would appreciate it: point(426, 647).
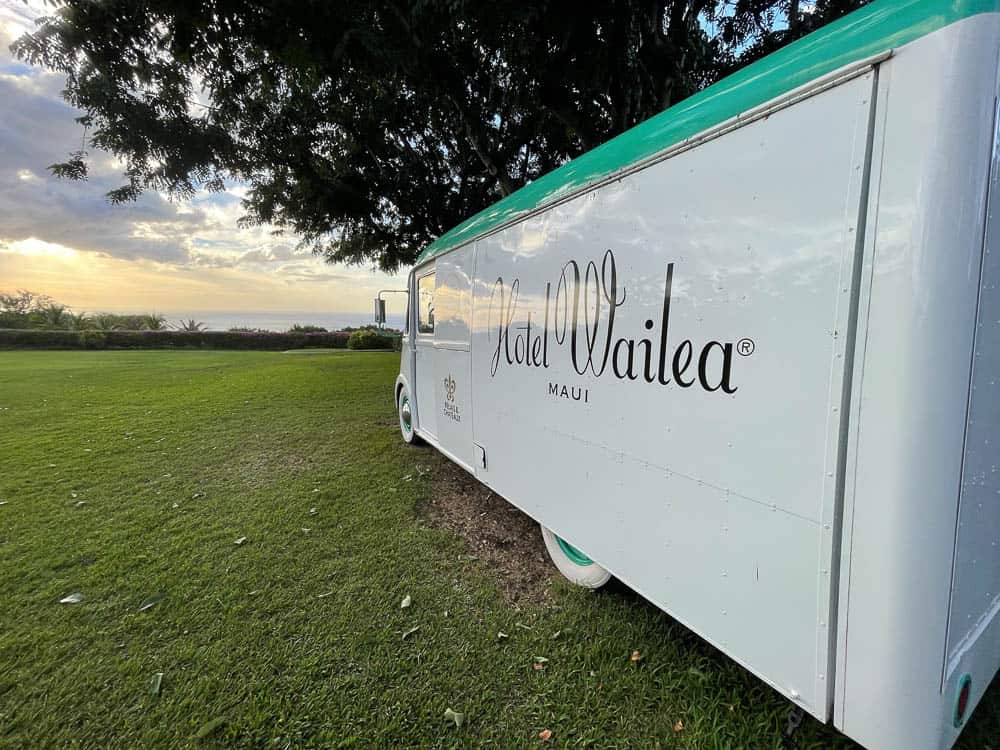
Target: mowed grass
point(129, 475)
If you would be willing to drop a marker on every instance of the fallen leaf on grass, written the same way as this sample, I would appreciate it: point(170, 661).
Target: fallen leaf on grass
point(556, 634)
point(74, 598)
point(305, 530)
point(155, 683)
point(411, 631)
point(678, 726)
point(176, 505)
point(454, 716)
point(313, 511)
point(79, 503)
point(545, 735)
point(150, 602)
point(3, 502)
point(196, 495)
point(407, 601)
point(210, 727)
point(636, 657)
point(323, 596)
point(241, 541)
point(501, 635)
point(539, 663)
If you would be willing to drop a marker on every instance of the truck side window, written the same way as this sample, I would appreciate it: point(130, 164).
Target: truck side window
point(425, 304)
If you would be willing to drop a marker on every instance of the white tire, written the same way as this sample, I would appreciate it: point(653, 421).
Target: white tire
point(574, 564)
point(404, 408)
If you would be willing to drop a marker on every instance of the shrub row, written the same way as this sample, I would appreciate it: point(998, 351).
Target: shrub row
point(367, 338)
point(40, 339)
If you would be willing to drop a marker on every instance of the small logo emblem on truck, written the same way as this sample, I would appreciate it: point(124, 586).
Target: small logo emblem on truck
point(449, 387)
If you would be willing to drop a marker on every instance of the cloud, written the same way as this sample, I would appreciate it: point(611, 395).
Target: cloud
point(197, 243)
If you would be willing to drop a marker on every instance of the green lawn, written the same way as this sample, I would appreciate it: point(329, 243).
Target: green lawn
point(129, 475)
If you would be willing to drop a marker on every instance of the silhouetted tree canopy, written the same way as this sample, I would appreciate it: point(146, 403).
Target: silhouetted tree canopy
point(368, 128)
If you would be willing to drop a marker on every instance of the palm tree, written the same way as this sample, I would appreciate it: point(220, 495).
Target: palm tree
point(55, 316)
point(191, 326)
point(105, 322)
point(78, 321)
point(154, 322)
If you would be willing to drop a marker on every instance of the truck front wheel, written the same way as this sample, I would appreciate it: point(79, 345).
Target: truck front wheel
point(405, 410)
point(573, 564)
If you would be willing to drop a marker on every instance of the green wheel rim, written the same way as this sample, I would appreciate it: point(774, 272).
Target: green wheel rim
point(957, 720)
point(575, 555)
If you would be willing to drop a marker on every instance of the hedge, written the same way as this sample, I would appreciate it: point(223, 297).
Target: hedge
point(40, 339)
point(366, 338)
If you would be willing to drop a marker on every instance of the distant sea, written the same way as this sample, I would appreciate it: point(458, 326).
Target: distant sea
point(280, 321)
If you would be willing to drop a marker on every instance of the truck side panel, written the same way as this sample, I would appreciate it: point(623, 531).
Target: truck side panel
point(658, 370)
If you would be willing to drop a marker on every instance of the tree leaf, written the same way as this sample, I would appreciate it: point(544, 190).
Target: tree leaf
point(454, 716)
point(411, 631)
point(545, 735)
point(75, 598)
point(407, 601)
point(241, 541)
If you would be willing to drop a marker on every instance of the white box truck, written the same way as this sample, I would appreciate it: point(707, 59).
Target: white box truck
point(746, 358)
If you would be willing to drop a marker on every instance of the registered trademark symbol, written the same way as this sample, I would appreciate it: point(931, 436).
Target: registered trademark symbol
point(745, 347)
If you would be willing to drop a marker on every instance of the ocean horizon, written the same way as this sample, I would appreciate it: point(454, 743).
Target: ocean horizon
point(217, 320)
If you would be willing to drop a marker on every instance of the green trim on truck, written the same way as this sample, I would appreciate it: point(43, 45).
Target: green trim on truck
point(867, 32)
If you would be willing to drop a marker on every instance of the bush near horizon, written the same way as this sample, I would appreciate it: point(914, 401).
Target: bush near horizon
point(167, 339)
point(369, 338)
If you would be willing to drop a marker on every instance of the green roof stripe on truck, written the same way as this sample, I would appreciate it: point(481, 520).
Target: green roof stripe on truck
point(870, 31)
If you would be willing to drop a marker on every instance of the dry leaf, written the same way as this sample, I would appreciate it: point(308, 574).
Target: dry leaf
point(150, 602)
point(210, 727)
point(636, 657)
point(196, 495)
point(313, 511)
point(545, 735)
point(411, 631)
point(678, 726)
point(241, 541)
point(74, 598)
point(454, 716)
point(407, 601)
point(501, 635)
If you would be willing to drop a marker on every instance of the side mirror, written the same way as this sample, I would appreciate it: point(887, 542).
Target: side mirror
point(379, 310)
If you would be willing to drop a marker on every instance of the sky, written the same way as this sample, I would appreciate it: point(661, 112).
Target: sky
point(62, 238)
